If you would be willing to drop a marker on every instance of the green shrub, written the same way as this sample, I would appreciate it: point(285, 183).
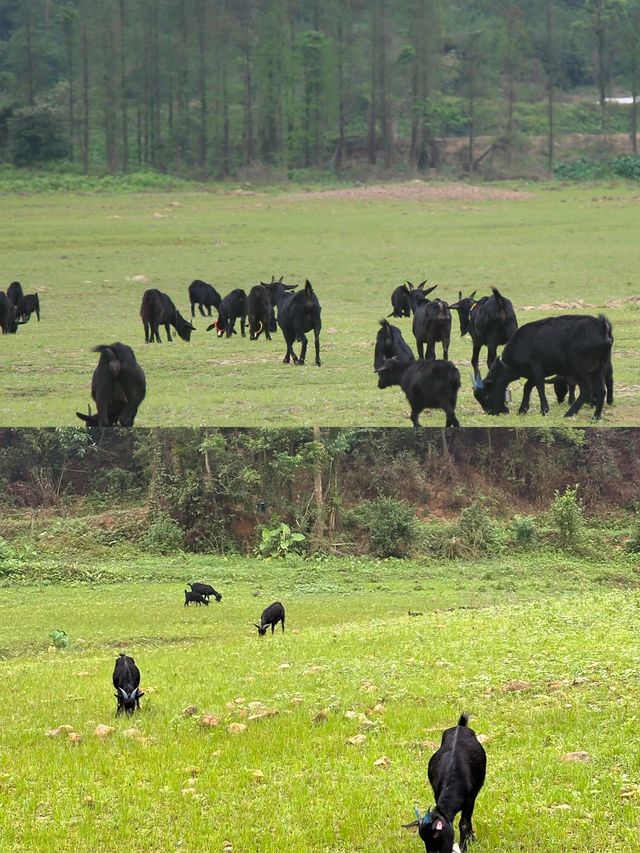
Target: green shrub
point(117, 481)
point(523, 531)
point(633, 545)
point(567, 519)
point(6, 551)
point(477, 530)
point(164, 536)
point(279, 541)
point(37, 134)
point(59, 639)
point(389, 523)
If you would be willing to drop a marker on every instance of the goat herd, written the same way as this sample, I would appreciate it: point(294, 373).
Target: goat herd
point(575, 350)
point(456, 770)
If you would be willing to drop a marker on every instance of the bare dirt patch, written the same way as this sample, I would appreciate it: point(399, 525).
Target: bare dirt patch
point(416, 191)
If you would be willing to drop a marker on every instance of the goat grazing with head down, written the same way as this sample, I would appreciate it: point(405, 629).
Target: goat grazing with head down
point(456, 772)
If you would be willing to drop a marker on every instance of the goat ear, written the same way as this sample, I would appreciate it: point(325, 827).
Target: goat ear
point(139, 694)
point(472, 295)
point(460, 295)
point(411, 825)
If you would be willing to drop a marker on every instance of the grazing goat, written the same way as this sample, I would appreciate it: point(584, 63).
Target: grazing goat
point(204, 296)
point(297, 313)
point(259, 312)
point(157, 310)
point(432, 325)
point(206, 590)
point(233, 305)
point(271, 615)
point(126, 680)
point(563, 385)
point(15, 293)
point(427, 384)
point(406, 298)
point(490, 321)
point(28, 305)
point(8, 322)
point(576, 346)
point(390, 343)
point(118, 387)
point(196, 597)
point(456, 772)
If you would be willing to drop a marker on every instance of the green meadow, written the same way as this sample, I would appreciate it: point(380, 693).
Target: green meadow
point(540, 244)
point(542, 650)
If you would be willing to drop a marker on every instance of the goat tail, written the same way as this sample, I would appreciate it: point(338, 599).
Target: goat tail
point(464, 719)
point(499, 297)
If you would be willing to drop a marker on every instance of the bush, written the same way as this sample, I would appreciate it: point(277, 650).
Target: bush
point(567, 519)
point(633, 545)
point(36, 135)
point(523, 530)
point(6, 551)
point(117, 481)
point(164, 536)
point(478, 531)
point(390, 524)
point(279, 541)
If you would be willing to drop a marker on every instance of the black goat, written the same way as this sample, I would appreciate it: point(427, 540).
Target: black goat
point(8, 322)
point(196, 597)
point(406, 298)
point(118, 387)
point(15, 293)
point(563, 385)
point(432, 325)
point(204, 296)
point(390, 343)
point(456, 772)
point(28, 305)
point(297, 313)
point(206, 590)
point(233, 305)
point(126, 680)
point(570, 345)
point(490, 321)
point(259, 312)
point(271, 615)
point(157, 310)
point(430, 384)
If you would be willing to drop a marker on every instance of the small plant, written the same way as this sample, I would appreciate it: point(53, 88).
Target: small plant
point(164, 536)
point(524, 532)
point(567, 517)
point(59, 639)
point(633, 545)
point(390, 524)
point(477, 531)
point(6, 551)
point(279, 541)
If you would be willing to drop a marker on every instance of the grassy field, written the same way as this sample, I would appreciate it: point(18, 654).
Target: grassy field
point(565, 629)
point(539, 245)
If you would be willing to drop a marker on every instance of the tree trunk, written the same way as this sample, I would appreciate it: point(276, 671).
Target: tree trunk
point(318, 495)
point(372, 145)
point(202, 86)
point(30, 60)
point(551, 79)
point(85, 94)
point(123, 85)
point(68, 29)
point(340, 151)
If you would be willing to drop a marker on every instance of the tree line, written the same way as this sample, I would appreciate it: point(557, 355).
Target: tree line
point(205, 87)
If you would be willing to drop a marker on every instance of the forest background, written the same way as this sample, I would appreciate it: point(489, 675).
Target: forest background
point(261, 89)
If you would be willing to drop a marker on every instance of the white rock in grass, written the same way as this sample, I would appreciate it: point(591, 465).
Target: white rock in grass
point(356, 740)
point(483, 738)
point(384, 761)
point(236, 728)
point(141, 279)
point(285, 666)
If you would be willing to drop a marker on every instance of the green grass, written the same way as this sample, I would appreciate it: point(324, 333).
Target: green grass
point(567, 627)
point(77, 251)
